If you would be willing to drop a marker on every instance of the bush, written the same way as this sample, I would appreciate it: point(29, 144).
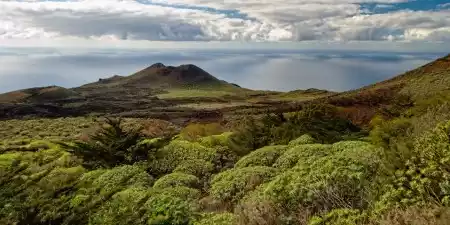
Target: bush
point(323, 182)
point(196, 167)
point(216, 140)
point(322, 122)
point(176, 152)
point(301, 153)
point(186, 193)
point(414, 215)
point(217, 219)
point(424, 177)
point(385, 133)
point(260, 213)
point(177, 179)
point(193, 132)
point(110, 146)
point(302, 140)
point(125, 207)
point(340, 217)
point(169, 210)
point(232, 185)
point(265, 156)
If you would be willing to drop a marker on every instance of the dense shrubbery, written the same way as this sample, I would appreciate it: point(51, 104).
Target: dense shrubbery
point(233, 184)
point(265, 156)
point(113, 145)
point(193, 132)
point(177, 179)
point(287, 169)
point(320, 122)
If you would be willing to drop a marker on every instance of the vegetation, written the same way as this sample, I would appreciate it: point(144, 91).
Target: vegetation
point(313, 166)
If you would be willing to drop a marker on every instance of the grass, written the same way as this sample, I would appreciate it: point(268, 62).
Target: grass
point(212, 105)
point(194, 93)
point(65, 129)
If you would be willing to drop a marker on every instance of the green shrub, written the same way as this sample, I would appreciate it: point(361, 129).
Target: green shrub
point(305, 153)
point(196, 167)
point(385, 133)
point(216, 140)
point(251, 134)
point(323, 182)
point(232, 185)
point(340, 217)
point(217, 219)
point(169, 210)
point(425, 175)
point(320, 121)
point(110, 146)
point(177, 179)
point(186, 193)
point(176, 152)
point(265, 156)
point(193, 132)
point(302, 140)
point(124, 207)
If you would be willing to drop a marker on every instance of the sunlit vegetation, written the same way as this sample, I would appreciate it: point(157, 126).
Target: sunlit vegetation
point(309, 167)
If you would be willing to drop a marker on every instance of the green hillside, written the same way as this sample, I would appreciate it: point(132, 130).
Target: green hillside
point(308, 162)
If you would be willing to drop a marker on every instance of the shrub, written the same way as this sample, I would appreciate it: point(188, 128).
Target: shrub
point(176, 152)
point(424, 177)
point(414, 215)
point(217, 219)
point(259, 213)
point(196, 167)
point(193, 132)
point(323, 182)
point(169, 210)
point(385, 133)
point(320, 121)
point(177, 179)
point(216, 140)
point(251, 134)
point(110, 146)
point(232, 185)
point(225, 158)
point(125, 207)
point(305, 153)
point(265, 156)
point(302, 140)
point(186, 193)
point(340, 217)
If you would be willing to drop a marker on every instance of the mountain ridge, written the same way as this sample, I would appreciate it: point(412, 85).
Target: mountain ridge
point(186, 91)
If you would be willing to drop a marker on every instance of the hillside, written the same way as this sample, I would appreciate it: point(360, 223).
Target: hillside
point(210, 162)
point(43, 94)
point(167, 92)
point(187, 91)
point(425, 81)
point(159, 78)
point(391, 96)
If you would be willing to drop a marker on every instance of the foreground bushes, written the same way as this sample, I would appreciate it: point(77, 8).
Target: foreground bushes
point(208, 181)
point(322, 123)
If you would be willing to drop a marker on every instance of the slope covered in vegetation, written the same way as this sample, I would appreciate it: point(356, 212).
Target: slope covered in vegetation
point(310, 167)
point(314, 165)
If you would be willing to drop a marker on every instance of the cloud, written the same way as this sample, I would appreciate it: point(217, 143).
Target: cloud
point(263, 69)
point(214, 20)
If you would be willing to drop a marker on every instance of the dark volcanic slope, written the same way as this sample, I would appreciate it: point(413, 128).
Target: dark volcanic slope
point(133, 95)
point(41, 94)
point(159, 76)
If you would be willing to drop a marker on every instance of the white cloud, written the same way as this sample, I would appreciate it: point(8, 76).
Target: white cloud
point(189, 20)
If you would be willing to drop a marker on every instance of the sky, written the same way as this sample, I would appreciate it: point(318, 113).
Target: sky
point(261, 44)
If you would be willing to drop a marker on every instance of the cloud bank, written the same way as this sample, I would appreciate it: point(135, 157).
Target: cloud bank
point(226, 20)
